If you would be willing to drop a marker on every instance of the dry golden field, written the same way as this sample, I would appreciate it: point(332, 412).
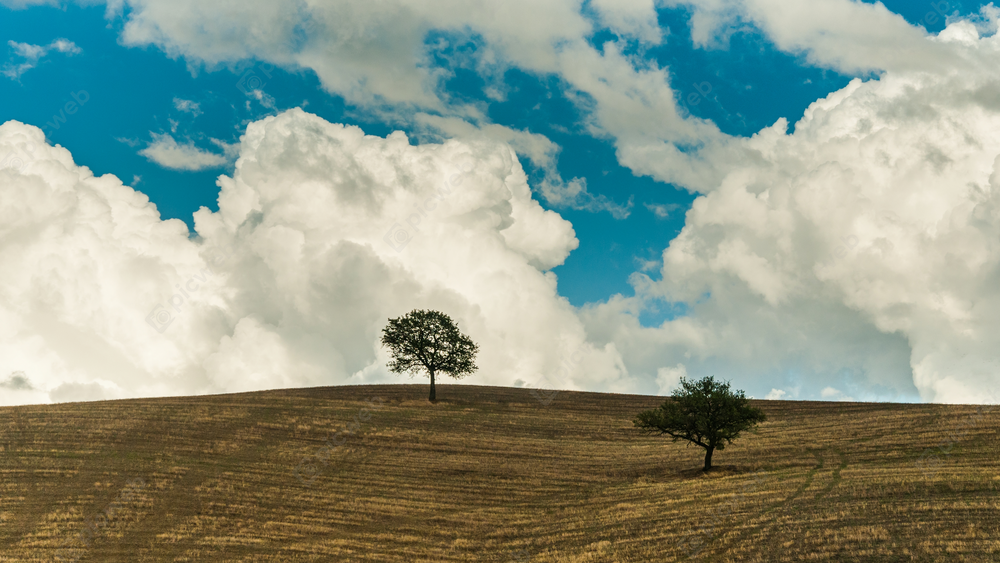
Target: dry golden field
point(489, 474)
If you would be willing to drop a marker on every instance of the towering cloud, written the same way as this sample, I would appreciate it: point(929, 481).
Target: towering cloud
point(868, 235)
point(322, 234)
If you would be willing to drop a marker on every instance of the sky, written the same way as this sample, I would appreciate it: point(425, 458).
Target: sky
point(797, 197)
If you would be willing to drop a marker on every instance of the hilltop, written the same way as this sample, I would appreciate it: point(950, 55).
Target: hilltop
point(489, 474)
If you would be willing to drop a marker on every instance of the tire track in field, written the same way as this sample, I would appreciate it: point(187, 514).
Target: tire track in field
point(53, 476)
point(836, 474)
point(183, 509)
point(769, 516)
point(171, 508)
point(774, 539)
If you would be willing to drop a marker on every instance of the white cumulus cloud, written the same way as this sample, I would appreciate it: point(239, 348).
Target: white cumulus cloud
point(864, 247)
point(322, 234)
point(668, 379)
point(776, 395)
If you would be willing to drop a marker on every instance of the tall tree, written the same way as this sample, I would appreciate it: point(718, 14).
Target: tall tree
point(705, 413)
point(429, 341)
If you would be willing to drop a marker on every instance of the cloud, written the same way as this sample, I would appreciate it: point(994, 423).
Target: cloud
point(662, 210)
point(31, 54)
point(669, 379)
point(130, 142)
point(17, 382)
point(263, 98)
point(538, 148)
point(168, 153)
point(230, 150)
point(574, 194)
point(370, 54)
point(376, 56)
point(775, 395)
point(862, 248)
point(17, 389)
point(833, 394)
point(543, 154)
point(624, 97)
point(76, 392)
point(322, 234)
point(64, 46)
point(845, 35)
point(188, 106)
point(635, 18)
point(22, 4)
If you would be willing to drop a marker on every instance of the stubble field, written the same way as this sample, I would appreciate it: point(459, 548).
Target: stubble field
point(489, 474)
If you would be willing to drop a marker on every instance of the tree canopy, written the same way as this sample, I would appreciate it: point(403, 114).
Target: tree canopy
point(430, 342)
point(705, 413)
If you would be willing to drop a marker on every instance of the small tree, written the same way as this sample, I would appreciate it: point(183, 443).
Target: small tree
point(429, 341)
point(705, 413)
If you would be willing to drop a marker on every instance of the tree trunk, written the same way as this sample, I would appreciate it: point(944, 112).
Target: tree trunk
point(708, 458)
point(433, 395)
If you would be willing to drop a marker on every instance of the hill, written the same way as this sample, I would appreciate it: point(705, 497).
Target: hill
point(489, 474)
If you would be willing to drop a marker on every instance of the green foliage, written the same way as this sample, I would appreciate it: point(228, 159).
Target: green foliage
point(705, 413)
point(429, 341)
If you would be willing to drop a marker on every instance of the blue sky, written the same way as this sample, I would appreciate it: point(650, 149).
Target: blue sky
point(120, 85)
point(132, 91)
point(742, 87)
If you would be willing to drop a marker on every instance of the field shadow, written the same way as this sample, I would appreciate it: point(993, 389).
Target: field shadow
point(716, 472)
point(673, 474)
